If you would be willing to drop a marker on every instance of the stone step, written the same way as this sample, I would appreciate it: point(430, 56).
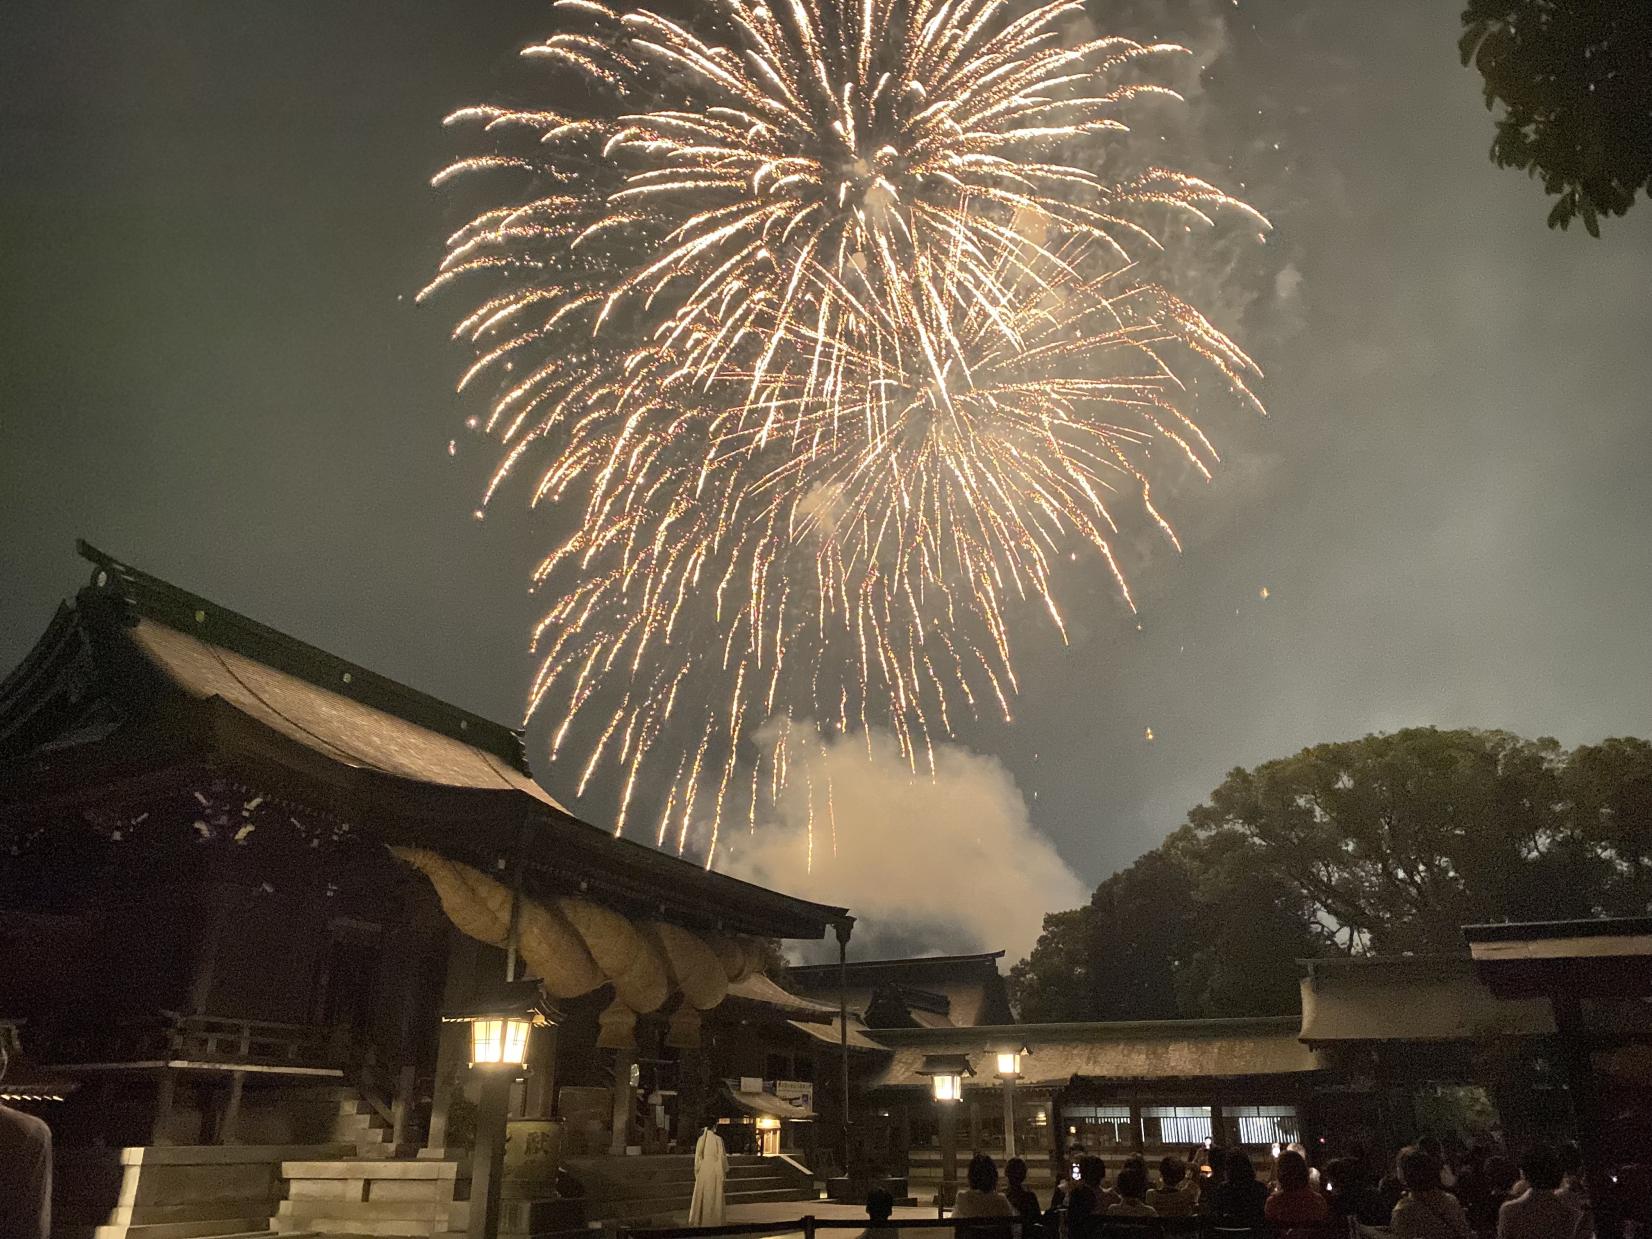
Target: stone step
point(360, 1167)
point(184, 1230)
point(311, 1210)
point(770, 1193)
point(599, 1161)
point(213, 1210)
point(684, 1187)
point(353, 1226)
point(637, 1171)
point(649, 1206)
point(378, 1189)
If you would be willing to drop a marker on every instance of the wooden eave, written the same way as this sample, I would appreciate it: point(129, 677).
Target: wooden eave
point(153, 739)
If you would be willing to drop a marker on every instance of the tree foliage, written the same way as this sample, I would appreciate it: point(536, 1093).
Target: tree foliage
point(1384, 845)
point(1191, 928)
point(1574, 80)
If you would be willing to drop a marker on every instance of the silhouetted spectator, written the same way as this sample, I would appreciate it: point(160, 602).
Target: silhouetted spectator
point(1132, 1192)
point(1540, 1212)
point(1066, 1179)
point(1572, 1188)
point(1301, 1150)
point(1349, 1193)
point(1432, 1146)
point(1177, 1194)
point(1084, 1203)
point(1021, 1197)
point(1295, 1203)
point(1427, 1210)
point(982, 1197)
point(25, 1172)
point(1241, 1198)
point(880, 1207)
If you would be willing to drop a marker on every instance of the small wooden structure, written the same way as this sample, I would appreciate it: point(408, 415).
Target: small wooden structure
point(1595, 977)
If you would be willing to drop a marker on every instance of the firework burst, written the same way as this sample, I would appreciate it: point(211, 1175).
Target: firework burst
point(823, 319)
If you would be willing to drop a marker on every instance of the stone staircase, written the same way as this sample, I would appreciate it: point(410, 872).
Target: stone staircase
point(219, 1190)
point(658, 1188)
point(171, 1191)
point(358, 1123)
point(370, 1196)
point(423, 1196)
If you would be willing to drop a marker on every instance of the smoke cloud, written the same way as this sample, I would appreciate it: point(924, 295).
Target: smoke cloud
point(929, 864)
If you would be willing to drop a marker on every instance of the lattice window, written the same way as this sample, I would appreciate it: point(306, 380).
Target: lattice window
point(1175, 1124)
point(1265, 1124)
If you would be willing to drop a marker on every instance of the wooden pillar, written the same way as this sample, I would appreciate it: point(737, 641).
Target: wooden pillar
point(402, 1103)
point(165, 1095)
point(406, 1053)
point(623, 1062)
point(843, 929)
point(487, 1160)
point(205, 965)
point(691, 1093)
point(453, 1044)
point(1009, 1117)
point(1137, 1139)
point(1573, 1037)
point(974, 1126)
point(949, 1154)
point(452, 1055)
point(232, 1108)
point(539, 1089)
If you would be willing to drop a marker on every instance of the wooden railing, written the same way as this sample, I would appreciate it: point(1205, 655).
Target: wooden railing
point(170, 1036)
point(237, 1046)
point(263, 1043)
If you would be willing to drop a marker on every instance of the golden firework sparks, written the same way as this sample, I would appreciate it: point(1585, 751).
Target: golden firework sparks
point(825, 329)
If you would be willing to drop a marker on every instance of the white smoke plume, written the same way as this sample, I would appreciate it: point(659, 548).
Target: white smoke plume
point(929, 864)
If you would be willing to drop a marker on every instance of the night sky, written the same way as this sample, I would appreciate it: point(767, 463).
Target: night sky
point(214, 216)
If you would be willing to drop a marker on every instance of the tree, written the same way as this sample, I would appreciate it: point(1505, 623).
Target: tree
point(1608, 790)
point(1385, 845)
point(1054, 985)
point(1399, 840)
point(1574, 78)
point(1249, 928)
point(1115, 958)
point(1190, 929)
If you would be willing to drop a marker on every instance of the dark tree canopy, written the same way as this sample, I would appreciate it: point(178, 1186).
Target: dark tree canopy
point(1574, 80)
point(1192, 928)
point(1384, 845)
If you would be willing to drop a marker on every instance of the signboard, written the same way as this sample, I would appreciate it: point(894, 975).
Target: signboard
point(799, 1093)
point(533, 1147)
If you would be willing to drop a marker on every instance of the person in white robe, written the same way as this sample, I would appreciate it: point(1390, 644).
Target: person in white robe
point(705, 1208)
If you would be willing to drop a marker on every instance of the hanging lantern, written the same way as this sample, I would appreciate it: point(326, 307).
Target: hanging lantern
point(946, 1074)
point(502, 1024)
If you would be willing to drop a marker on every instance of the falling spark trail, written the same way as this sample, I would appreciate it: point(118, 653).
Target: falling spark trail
point(823, 322)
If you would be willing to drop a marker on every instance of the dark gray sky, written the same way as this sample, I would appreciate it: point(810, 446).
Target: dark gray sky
point(213, 217)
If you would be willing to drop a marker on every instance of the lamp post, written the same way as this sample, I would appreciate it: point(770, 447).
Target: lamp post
point(500, 1029)
point(946, 1081)
point(1009, 1069)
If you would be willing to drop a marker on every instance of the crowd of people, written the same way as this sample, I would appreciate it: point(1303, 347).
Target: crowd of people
point(1429, 1194)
